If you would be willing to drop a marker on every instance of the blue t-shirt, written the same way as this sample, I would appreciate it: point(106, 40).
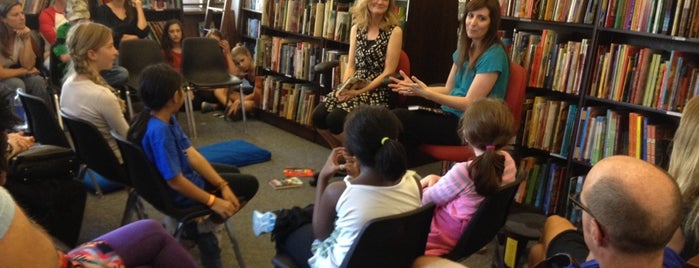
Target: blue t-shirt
point(670, 260)
point(494, 59)
point(165, 145)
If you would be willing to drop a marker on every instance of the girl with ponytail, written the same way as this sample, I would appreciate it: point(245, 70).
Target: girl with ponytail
point(487, 127)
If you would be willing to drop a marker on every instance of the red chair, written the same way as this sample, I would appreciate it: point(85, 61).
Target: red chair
point(516, 89)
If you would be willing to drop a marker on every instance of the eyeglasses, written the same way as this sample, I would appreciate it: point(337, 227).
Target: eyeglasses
point(575, 199)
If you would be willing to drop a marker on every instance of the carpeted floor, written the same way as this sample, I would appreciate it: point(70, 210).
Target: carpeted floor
point(102, 214)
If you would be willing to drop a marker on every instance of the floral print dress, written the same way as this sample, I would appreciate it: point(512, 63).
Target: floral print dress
point(370, 59)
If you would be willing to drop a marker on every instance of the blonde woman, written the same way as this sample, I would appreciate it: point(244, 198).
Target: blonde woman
point(85, 94)
point(684, 167)
point(375, 45)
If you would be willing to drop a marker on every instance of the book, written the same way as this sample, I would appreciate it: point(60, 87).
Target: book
point(426, 109)
point(298, 172)
point(286, 183)
point(353, 83)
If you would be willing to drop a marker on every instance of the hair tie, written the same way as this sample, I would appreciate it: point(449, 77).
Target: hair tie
point(383, 141)
point(490, 147)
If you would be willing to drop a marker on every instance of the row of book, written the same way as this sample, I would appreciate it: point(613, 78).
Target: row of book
point(671, 17)
point(546, 188)
point(34, 6)
point(548, 125)
point(162, 4)
point(644, 76)
point(580, 11)
point(606, 132)
point(330, 19)
point(253, 4)
point(550, 64)
point(290, 57)
point(156, 30)
point(290, 100)
point(253, 28)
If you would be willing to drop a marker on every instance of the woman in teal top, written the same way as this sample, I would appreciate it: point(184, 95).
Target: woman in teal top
point(480, 69)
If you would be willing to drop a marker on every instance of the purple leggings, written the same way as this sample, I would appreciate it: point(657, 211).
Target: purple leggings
point(145, 243)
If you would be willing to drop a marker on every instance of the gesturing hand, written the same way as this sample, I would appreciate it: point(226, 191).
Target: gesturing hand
point(332, 164)
point(407, 86)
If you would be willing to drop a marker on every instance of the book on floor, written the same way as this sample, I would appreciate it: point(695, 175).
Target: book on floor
point(286, 183)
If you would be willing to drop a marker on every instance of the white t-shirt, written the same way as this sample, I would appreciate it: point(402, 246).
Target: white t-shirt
point(7, 211)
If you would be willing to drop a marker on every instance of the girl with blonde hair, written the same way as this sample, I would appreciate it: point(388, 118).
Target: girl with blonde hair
point(684, 167)
point(85, 93)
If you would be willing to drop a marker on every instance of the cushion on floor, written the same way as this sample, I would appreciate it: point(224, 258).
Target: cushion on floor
point(235, 152)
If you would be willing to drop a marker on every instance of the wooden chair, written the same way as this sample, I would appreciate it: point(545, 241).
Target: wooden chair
point(516, 89)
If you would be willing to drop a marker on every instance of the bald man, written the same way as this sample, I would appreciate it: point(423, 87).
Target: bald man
point(630, 211)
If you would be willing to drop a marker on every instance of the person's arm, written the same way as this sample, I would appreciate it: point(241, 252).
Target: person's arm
point(448, 187)
point(24, 243)
point(141, 22)
point(27, 58)
point(204, 168)
point(18, 143)
point(113, 113)
point(6, 73)
point(47, 26)
point(324, 213)
point(232, 68)
point(351, 68)
point(185, 187)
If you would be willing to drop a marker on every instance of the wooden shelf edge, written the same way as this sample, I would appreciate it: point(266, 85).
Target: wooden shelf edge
point(297, 129)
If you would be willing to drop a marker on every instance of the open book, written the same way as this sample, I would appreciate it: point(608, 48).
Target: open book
point(426, 109)
point(353, 83)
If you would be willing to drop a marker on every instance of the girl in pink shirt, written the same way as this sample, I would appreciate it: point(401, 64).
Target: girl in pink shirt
point(487, 126)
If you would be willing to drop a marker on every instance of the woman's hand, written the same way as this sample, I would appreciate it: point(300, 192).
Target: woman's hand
point(33, 71)
point(137, 4)
point(332, 164)
point(23, 33)
point(408, 86)
point(225, 46)
point(346, 95)
point(19, 142)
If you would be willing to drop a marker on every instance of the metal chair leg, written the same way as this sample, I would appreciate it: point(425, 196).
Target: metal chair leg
point(189, 112)
point(98, 190)
point(129, 105)
point(234, 244)
point(242, 107)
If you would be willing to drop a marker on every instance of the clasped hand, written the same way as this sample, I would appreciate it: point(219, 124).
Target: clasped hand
point(228, 205)
point(408, 86)
point(333, 164)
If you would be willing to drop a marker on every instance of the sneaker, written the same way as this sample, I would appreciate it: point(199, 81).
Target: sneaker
point(207, 107)
point(263, 222)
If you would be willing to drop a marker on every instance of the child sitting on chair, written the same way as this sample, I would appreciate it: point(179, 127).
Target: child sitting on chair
point(377, 185)
point(487, 127)
point(192, 179)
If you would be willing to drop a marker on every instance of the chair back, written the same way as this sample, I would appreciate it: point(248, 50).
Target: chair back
point(516, 90)
point(135, 55)
point(93, 150)
point(42, 121)
point(150, 185)
point(486, 222)
point(203, 61)
point(391, 241)
point(404, 62)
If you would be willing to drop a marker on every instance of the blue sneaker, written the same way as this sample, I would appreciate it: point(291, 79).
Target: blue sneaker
point(263, 222)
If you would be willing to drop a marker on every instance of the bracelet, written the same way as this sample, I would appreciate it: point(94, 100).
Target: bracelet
point(212, 198)
point(221, 185)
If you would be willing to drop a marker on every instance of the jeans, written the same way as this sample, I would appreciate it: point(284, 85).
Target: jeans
point(116, 77)
point(34, 85)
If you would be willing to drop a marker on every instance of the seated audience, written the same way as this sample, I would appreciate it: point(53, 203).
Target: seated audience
point(124, 17)
point(24, 243)
point(85, 94)
point(17, 58)
point(486, 125)
point(191, 178)
point(215, 99)
point(377, 185)
point(171, 42)
point(49, 20)
point(630, 211)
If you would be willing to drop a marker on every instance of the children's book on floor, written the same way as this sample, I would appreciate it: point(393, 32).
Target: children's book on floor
point(286, 183)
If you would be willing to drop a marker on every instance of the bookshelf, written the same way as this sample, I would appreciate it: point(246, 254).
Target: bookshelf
point(603, 80)
point(290, 37)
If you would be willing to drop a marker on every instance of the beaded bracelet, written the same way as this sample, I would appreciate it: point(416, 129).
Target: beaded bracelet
point(212, 198)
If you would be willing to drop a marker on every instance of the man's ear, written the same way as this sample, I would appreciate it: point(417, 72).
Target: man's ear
point(598, 234)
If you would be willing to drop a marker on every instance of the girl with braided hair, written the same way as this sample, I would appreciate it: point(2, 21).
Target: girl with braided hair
point(85, 93)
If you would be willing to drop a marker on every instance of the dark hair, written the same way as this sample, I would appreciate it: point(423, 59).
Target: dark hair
point(366, 128)
point(157, 85)
point(5, 41)
point(7, 121)
point(487, 122)
point(165, 40)
point(491, 37)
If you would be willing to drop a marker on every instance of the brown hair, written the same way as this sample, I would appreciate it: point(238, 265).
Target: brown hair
point(491, 37)
point(5, 41)
point(487, 122)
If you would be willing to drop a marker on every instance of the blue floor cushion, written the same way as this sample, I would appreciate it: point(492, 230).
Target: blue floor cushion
point(235, 152)
point(106, 186)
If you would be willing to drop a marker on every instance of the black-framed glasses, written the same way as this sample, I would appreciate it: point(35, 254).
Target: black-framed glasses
point(575, 200)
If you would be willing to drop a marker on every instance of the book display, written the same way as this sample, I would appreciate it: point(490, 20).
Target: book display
point(605, 78)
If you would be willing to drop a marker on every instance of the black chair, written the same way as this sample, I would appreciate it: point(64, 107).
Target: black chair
point(135, 55)
point(96, 155)
point(151, 186)
point(204, 67)
point(391, 241)
point(42, 121)
point(486, 222)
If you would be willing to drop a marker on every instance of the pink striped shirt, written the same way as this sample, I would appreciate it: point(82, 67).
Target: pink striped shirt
point(456, 201)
